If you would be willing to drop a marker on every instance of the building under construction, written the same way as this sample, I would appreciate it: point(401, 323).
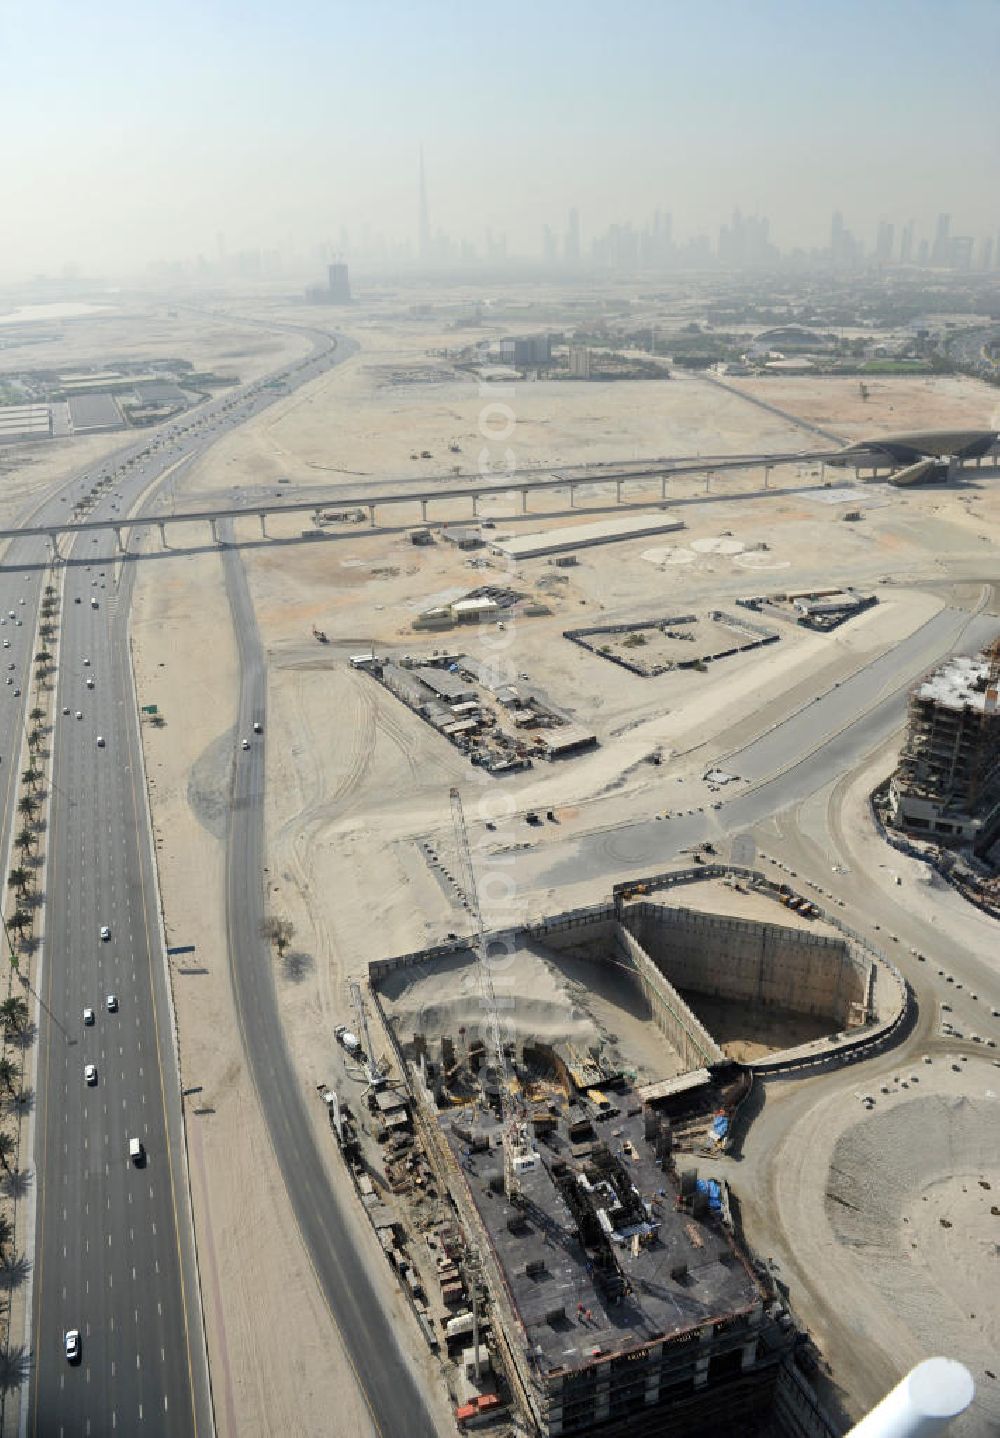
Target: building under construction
point(628, 1305)
point(947, 781)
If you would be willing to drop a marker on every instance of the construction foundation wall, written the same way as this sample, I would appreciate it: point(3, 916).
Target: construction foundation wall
point(751, 962)
point(683, 1031)
point(597, 936)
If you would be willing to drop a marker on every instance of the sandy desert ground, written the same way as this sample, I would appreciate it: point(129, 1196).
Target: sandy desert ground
point(355, 780)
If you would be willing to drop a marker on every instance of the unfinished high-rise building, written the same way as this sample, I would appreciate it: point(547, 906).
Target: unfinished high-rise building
point(947, 781)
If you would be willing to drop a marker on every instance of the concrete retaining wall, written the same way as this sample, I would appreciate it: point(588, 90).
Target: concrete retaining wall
point(682, 1030)
point(750, 962)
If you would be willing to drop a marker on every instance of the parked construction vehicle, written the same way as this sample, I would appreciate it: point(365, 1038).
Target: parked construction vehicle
point(320, 635)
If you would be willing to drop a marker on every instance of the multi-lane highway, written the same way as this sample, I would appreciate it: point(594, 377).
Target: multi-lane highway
point(114, 1251)
point(114, 1256)
point(396, 1403)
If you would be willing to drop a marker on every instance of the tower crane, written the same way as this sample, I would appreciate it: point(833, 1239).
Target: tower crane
point(519, 1155)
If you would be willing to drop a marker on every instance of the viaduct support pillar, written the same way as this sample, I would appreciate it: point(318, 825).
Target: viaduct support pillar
point(118, 538)
point(572, 496)
point(767, 476)
point(663, 486)
point(475, 506)
point(423, 510)
point(524, 501)
point(214, 526)
point(371, 515)
point(163, 533)
point(618, 491)
point(263, 527)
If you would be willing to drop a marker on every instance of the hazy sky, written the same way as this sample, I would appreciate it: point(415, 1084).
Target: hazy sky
point(139, 131)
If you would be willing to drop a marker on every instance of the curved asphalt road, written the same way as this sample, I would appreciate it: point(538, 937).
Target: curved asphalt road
point(396, 1403)
point(796, 758)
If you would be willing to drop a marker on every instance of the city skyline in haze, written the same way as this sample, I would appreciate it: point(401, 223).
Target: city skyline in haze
point(142, 138)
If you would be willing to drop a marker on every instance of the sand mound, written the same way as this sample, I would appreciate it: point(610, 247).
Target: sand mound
point(915, 1192)
point(442, 997)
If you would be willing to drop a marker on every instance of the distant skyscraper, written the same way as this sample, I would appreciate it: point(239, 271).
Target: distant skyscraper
point(573, 238)
point(986, 253)
point(941, 253)
point(340, 286)
point(548, 245)
point(960, 252)
point(906, 244)
point(884, 243)
point(424, 237)
point(837, 237)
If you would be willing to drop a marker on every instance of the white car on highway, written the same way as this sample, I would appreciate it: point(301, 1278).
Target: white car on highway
point(112, 1003)
point(105, 932)
point(100, 741)
point(71, 1345)
point(90, 1073)
point(88, 1016)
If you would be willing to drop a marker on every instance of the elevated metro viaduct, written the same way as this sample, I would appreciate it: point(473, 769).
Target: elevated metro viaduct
point(523, 483)
point(891, 453)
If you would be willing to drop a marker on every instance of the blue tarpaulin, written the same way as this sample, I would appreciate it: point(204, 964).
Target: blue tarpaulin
point(713, 1192)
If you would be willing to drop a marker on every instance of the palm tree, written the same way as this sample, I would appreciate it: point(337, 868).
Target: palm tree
point(27, 804)
point(26, 839)
point(13, 1013)
point(9, 1073)
point(6, 1233)
point(37, 714)
point(19, 921)
point(18, 879)
point(7, 1147)
point(34, 737)
point(30, 775)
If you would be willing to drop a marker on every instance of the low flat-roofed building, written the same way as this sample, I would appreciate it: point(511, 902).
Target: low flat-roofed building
point(582, 536)
point(464, 535)
point(25, 421)
point(467, 611)
point(567, 739)
point(91, 412)
point(404, 685)
point(446, 685)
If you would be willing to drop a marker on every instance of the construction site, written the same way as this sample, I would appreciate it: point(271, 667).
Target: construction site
point(946, 786)
point(500, 725)
point(685, 641)
point(819, 609)
point(568, 1133)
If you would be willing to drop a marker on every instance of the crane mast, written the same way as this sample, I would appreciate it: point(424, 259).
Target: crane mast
point(518, 1151)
